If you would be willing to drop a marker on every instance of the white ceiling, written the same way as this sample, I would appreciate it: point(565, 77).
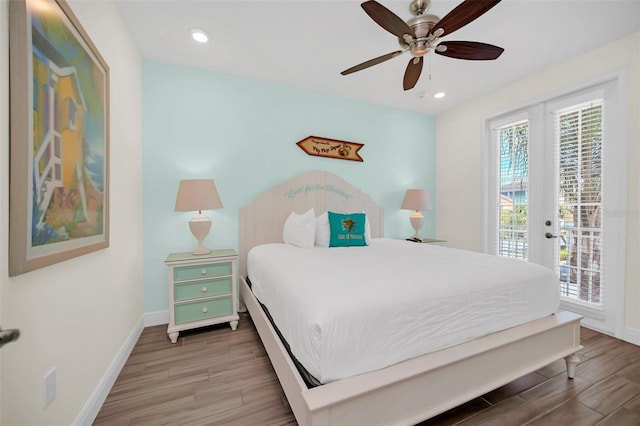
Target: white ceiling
point(306, 44)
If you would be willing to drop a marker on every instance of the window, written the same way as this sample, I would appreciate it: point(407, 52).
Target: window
point(513, 139)
point(579, 142)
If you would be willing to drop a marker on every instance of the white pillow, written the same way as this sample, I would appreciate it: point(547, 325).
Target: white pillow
point(300, 229)
point(323, 231)
point(367, 230)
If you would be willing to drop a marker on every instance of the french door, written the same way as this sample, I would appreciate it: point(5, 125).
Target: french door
point(556, 178)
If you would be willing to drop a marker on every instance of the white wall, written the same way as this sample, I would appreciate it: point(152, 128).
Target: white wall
point(459, 153)
point(76, 315)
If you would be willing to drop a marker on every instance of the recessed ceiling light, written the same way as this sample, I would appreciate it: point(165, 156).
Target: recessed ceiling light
point(439, 95)
point(199, 35)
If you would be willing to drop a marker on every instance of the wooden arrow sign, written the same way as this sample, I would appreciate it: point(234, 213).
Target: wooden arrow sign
point(331, 148)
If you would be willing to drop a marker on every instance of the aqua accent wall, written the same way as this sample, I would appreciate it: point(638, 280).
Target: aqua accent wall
point(242, 133)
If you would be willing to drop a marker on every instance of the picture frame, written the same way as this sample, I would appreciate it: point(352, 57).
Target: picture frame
point(59, 137)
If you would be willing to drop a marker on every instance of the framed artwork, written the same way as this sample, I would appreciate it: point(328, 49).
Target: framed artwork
point(59, 137)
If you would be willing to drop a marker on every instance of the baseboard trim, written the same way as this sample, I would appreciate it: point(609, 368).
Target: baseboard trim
point(156, 318)
point(92, 407)
point(631, 335)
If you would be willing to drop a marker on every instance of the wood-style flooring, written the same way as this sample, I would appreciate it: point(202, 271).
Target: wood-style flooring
point(216, 376)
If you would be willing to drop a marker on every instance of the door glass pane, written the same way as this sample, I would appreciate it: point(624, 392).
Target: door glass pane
point(579, 132)
point(514, 190)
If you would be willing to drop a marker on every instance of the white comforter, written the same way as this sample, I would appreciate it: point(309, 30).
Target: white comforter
point(346, 311)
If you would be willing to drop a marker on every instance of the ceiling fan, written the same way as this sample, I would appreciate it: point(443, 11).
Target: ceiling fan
point(422, 33)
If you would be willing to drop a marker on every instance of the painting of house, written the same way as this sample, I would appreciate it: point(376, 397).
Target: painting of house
point(66, 197)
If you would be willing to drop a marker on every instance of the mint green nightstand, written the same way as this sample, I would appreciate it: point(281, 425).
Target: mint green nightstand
point(202, 290)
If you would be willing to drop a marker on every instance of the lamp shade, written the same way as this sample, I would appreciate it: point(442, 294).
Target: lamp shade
point(197, 195)
point(416, 199)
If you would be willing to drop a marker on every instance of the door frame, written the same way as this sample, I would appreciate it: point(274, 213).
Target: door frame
point(4, 173)
point(616, 119)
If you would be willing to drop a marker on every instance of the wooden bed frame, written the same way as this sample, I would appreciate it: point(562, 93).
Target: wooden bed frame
point(411, 391)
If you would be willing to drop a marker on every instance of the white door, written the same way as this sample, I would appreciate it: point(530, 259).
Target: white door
point(556, 179)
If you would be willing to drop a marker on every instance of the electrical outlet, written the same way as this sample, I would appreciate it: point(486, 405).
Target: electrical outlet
point(49, 381)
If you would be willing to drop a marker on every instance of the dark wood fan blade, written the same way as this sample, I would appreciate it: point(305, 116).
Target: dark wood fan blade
point(464, 13)
point(412, 73)
point(372, 62)
point(472, 50)
point(387, 19)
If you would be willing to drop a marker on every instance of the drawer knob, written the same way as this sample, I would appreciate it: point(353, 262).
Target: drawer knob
point(204, 289)
point(204, 310)
point(203, 272)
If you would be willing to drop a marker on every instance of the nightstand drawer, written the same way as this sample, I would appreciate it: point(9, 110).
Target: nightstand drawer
point(202, 288)
point(182, 273)
point(196, 311)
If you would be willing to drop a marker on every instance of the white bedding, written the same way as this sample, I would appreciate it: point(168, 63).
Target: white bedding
point(346, 311)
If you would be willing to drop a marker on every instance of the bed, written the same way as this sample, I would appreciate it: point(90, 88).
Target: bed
point(406, 390)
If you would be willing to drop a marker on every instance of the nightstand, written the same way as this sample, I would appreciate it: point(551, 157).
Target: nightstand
point(434, 241)
point(202, 290)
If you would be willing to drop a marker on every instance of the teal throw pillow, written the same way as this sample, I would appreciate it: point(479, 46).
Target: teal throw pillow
point(347, 229)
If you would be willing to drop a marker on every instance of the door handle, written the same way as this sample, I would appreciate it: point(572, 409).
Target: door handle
point(550, 235)
point(7, 336)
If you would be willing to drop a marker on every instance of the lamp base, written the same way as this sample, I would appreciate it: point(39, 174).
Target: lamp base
point(200, 225)
point(200, 251)
point(417, 220)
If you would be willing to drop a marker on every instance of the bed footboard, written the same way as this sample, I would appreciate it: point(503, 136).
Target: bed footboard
point(415, 390)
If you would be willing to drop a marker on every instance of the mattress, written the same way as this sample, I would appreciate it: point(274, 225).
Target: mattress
point(350, 310)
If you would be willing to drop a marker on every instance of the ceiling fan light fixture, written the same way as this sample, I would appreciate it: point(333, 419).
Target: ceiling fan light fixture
point(419, 48)
point(420, 51)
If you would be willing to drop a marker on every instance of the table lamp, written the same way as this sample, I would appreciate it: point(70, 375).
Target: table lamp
point(198, 195)
point(416, 199)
